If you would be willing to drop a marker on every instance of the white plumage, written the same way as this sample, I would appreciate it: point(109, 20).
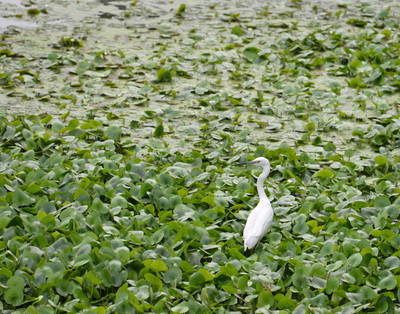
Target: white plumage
point(258, 224)
point(260, 218)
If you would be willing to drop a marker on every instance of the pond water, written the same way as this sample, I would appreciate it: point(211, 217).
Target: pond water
point(113, 73)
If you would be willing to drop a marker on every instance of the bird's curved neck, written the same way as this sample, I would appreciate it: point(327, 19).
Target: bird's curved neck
point(260, 182)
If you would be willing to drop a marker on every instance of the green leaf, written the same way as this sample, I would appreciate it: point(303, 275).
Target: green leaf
point(354, 65)
point(325, 173)
point(182, 307)
point(265, 298)
point(330, 147)
point(368, 293)
point(197, 280)
point(113, 132)
point(229, 270)
point(356, 82)
point(93, 278)
point(318, 270)
point(381, 202)
point(81, 260)
point(388, 283)
point(156, 283)
point(301, 270)
point(173, 275)
point(300, 228)
point(332, 284)
point(392, 262)
point(251, 53)
point(356, 22)
point(206, 273)
point(237, 31)
point(16, 282)
point(158, 265)
point(21, 198)
point(181, 9)
point(14, 296)
point(164, 75)
point(286, 303)
point(355, 260)
point(119, 201)
point(73, 124)
point(166, 179)
point(319, 300)
point(243, 185)
point(4, 220)
point(159, 131)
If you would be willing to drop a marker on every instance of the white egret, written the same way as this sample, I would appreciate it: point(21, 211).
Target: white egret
point(260, 218)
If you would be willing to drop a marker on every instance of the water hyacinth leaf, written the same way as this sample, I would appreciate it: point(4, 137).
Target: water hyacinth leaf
point(301, 270)
point(181, 9)
point(381, 160)
point(382, 201)
point(158, 265)
point(318, 283)
point(93, 278)
point(166, 179)
point(81, 260)
point(368, 293)
point(243, 185)
point(197, 280)
point(265, 298)
point(173, 275)
point(285, 303)
point(16, 282)
point(355, 260)
point(73, 124)
point(4, 221)
point(21, 198)
point(388, 283)
point(155, 283)
point(325, 173)
point(356, 298)
point(98, 205)
point(113, 132)
point(237, 31)
point(181, 307)
point(143, 292)
point(318, 270)
point(392, 262)
point(164, 75)
point(14, 296)
point(332, 284)
point(159, 131)
point(349, 278)
point(119, 201)
point(183, 212)
point(300, 228)
point(319, 300)
point(251, 53)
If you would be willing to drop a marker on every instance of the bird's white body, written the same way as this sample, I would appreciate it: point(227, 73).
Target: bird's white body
point(258, 224)
point(260, 218)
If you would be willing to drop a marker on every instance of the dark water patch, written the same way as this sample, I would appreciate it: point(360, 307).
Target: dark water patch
point(107, 15)
point(118, 5)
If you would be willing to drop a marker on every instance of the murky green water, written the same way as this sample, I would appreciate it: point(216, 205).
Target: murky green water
point(112, 76)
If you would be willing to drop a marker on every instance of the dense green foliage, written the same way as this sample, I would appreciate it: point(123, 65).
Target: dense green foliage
point(124, 196)
point(88, 223)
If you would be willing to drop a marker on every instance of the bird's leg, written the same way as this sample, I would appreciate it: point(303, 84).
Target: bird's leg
point(249, 252)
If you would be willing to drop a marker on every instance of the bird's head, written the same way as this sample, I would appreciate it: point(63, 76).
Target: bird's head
point(260, 161)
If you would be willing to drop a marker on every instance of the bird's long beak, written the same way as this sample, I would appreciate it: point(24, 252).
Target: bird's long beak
point(246, 163)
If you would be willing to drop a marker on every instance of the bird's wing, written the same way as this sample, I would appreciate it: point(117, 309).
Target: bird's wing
point(258, 223)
